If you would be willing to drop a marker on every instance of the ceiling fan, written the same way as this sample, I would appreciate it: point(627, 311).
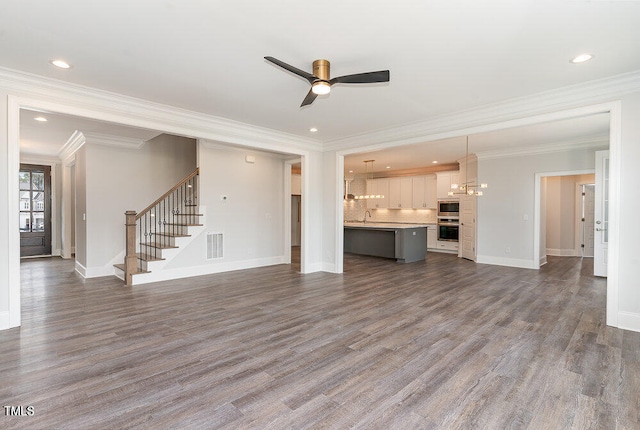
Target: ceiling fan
point(320, 82)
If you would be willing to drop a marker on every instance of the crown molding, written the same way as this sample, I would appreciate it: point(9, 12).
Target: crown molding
point(117, 141)
point(63, 97)
point(243, 149)
point(31, 158)
point(569, 145)
point(508, 112)
point(72, 145)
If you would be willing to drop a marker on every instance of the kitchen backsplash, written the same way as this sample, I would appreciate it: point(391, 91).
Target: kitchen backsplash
point(354, 210)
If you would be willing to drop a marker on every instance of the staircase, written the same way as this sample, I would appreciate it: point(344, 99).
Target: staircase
point(155, 235)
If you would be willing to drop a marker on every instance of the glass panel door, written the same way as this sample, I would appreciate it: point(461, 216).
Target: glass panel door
point(35, 210)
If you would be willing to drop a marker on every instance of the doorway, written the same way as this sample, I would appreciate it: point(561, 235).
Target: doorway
point(35, 210)
point(563, 215)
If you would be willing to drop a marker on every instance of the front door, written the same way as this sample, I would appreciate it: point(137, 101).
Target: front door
point(35, 210)
point(601, 230)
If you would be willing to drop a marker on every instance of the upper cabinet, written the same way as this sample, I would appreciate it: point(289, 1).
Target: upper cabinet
point(400, 193)
point(424, 192)
point(410, 192)
point(444, 181)
point(378, 187)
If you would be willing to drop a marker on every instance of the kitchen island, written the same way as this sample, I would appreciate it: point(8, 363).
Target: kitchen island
point(405, 243)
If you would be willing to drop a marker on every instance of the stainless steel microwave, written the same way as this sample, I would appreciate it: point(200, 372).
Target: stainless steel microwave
point(448, 208)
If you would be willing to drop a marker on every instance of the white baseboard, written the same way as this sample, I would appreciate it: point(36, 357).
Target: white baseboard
point(81, 269)
point(561, 252)
point(207, 269)
point(5, 321)
point(543, 260)
point(325, 267)
point(629, 321)
point(509, 262)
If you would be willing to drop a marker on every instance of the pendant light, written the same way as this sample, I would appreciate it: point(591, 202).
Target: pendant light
point(368, 166)
point(467, 188)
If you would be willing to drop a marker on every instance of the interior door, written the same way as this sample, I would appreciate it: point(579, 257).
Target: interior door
point(468, 227)
point(35, 210)
point(601, 226)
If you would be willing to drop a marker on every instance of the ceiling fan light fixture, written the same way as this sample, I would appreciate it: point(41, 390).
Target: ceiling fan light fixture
point(321, 87)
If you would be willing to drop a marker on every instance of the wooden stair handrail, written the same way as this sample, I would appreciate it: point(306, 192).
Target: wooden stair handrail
point(175, 187)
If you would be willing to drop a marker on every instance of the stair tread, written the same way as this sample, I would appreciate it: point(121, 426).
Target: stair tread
point(122, 267)
point(147, 257)
point(184, 225)
point(167, 234)
point(158, 245)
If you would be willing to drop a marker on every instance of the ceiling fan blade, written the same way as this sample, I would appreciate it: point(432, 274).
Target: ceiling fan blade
point(362, 78)
point(308, 76)
point(311, 96)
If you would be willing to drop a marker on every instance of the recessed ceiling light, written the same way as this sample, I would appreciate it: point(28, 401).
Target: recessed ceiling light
point(434, 162)
point(61, 64)
point(313, 129)
point(581, 58)
point(388, 167)
point(350, 171)
point(40, 119)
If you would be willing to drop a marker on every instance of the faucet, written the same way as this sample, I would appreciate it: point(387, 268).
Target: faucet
point(365, 216)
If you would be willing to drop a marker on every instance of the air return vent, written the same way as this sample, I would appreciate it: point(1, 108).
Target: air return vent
point(214, 245)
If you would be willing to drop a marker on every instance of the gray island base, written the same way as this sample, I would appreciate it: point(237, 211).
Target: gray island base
point(405, 243)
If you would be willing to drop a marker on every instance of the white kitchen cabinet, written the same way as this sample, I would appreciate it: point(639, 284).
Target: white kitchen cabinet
point(444, 181)
point(378, 187)
point(432, 237)
point(424, 192)
point(400, 193)
point(445, 245)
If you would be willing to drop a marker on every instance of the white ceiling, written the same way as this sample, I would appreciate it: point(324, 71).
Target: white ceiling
point(46, 139)
point(207, 56)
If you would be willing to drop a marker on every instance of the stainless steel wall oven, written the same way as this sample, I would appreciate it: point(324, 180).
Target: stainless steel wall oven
point(448, 229)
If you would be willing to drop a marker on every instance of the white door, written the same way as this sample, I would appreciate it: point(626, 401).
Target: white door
point(467, 235)
point(601, 230)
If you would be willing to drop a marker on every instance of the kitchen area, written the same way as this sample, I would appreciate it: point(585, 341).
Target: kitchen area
point(402, 214)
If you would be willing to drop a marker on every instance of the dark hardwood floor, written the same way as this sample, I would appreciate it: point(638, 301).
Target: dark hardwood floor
point(446, 344)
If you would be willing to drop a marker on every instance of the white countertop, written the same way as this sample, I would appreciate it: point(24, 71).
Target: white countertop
point(378, 225)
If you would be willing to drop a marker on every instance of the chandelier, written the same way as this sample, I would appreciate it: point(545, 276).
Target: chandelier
point(368, 174)
point(467, 188)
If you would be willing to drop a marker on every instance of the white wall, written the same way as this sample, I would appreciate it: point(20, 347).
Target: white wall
point(9, 298)
point(628, 296)
point(80, 209)
point(251, 218)
point(506, 211)
point(120, 179)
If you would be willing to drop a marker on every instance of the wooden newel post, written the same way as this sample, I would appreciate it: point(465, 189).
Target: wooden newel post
point(130, 259)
